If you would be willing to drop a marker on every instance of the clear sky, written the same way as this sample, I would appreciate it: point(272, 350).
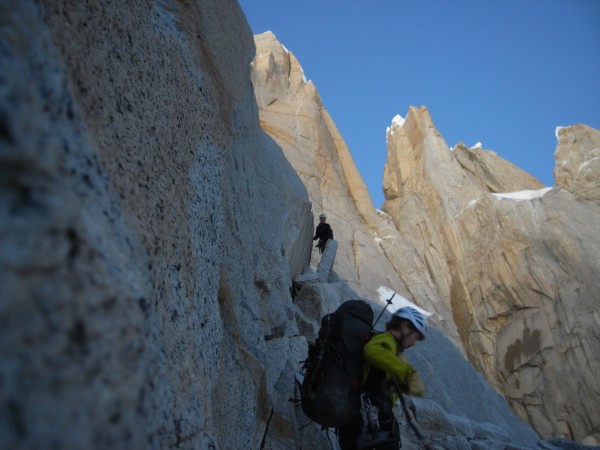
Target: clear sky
point(504, 73)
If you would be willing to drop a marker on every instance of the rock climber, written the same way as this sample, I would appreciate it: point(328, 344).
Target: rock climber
point(323, 233)
point(387, 375)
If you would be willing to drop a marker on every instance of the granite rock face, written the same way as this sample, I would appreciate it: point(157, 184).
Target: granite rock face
point(490, 267)
point(492, 172)
point(485, 263)
point(151, 232)
point(577, 160)
point(518, 273)
point(371, 252)
point(145, 287)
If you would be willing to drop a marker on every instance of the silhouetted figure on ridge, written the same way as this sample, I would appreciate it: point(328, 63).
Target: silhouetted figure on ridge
point(323, 233)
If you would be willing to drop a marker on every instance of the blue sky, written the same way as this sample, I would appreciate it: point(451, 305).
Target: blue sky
point(504, 73)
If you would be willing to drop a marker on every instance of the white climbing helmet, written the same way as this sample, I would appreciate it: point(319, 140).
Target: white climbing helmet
point(418, 320)
point(322, 216)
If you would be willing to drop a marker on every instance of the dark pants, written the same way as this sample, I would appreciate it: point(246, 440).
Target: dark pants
point(321, 245)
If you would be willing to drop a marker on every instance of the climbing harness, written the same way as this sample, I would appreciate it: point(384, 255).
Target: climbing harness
point(369, 413)
point(371, 433)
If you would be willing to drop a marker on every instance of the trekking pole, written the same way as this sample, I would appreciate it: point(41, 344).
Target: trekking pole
point(388, 303)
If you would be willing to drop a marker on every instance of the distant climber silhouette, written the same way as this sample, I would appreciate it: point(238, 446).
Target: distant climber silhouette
point(323, 233)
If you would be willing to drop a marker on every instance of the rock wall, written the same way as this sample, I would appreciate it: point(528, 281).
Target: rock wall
point(491, 172)
point(150, 231)
point(519, 275)
point(577, 160)
point(371, 252)
point(150, 235)
point(491, 268)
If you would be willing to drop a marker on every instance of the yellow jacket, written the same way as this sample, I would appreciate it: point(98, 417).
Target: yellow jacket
point(383, 352)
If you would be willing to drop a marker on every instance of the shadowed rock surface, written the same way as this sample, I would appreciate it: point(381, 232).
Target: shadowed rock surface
point(151, 233)
point(145, 292)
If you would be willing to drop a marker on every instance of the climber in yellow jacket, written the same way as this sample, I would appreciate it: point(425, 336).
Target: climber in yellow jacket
point(386, 371)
